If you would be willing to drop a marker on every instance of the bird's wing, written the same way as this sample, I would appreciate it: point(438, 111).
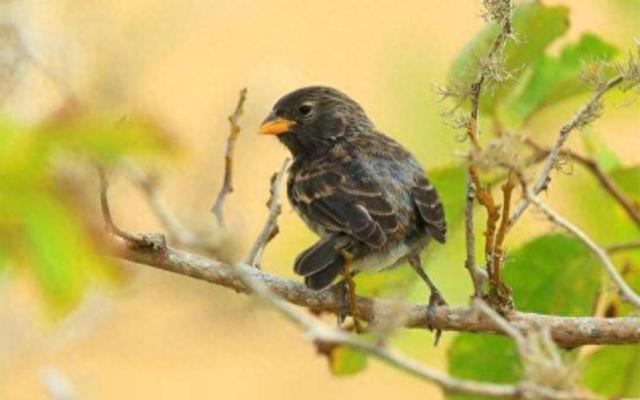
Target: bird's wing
point(430, 208)
point(338, 202)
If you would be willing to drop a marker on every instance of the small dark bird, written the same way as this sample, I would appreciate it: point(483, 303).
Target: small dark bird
point(363, 193)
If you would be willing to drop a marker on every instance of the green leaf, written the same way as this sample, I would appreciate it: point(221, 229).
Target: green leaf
point(62, 258)
point(628, 179)
point(554, 79)
point(345, 361)
point(483, 357)
point(450, 184)
point(101, 137)
point(543, 275)
point(395, 281)
point(600, 151)
point(535, 25)
point(613, 371)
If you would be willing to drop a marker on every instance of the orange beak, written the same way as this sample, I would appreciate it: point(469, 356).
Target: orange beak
point(276, 126)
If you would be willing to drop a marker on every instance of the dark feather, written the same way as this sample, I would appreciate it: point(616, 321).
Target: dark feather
point(337, 202)
point(430, 208)
point(323, 278)
point(317, 257)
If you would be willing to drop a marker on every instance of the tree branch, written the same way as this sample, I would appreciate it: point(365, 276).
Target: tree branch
point(567, 332)
point(270, 228)
point(579, 119)
point(227, 183)
point(483, 193)
point(592, 165)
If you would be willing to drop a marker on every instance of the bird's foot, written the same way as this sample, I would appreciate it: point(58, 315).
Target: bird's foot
point(342, 288)
point(435, 300)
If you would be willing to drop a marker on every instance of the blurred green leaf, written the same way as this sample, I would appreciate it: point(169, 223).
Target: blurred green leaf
point(345, 361)
point(554, 79)
point(450, 183)
point(535, 26)
point(628, 179)
point(63, 258)
point(553, 274)
point(599, 150)
point(46, 235)
point(102, 138)
point(613, 371)
point(483, 357)
point(385, 283)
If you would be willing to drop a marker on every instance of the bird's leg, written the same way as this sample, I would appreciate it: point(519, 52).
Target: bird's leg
point(435, 298)
point(350, 286)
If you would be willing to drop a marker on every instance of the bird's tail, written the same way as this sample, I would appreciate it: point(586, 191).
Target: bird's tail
point(321, 263)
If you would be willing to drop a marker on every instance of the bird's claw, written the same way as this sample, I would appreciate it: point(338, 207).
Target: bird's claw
point(435, 299)
point(345, 303)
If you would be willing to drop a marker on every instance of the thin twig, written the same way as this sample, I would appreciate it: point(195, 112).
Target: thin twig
point(270, 228)
point(577, 120)
point(169, 222)
point(498, 250)
point(592, 165)
point(483, 193)
point(110, 226)
point(625, 290)
point(227, 183)
point(477, 276)
point(618, 247)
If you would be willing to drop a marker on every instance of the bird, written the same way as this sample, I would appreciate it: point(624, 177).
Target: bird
point(360, 191)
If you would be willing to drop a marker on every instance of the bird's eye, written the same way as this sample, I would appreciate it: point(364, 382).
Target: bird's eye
point(305, 109)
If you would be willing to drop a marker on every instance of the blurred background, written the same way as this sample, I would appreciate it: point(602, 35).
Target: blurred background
point(158, 335)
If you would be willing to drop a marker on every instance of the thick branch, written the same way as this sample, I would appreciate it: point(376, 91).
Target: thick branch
point(567, 332)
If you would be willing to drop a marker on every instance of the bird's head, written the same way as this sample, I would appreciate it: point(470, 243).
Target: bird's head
point(312, 119)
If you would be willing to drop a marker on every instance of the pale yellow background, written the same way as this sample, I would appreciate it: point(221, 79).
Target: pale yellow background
point(163, 336)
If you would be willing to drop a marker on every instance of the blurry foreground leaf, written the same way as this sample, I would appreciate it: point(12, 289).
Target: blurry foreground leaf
point(613, 371)
point(485, 358)
point(64, 261)
point(42, 230)
point(345, 361)
point(553, 274)
point(535, 26)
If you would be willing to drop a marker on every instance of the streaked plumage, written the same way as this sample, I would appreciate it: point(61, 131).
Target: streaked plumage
point(363, 193)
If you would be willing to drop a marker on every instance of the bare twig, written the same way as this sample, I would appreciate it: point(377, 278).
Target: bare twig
point(110, 226)
point(169, 222)
point(483, 193)
point(626, 291)
point(227, 184)
point(614, 248)
point(541, 360)
point(592, 165)
point(270, 228)
point(576, 121)
point(477, 276)
point(498, 250)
